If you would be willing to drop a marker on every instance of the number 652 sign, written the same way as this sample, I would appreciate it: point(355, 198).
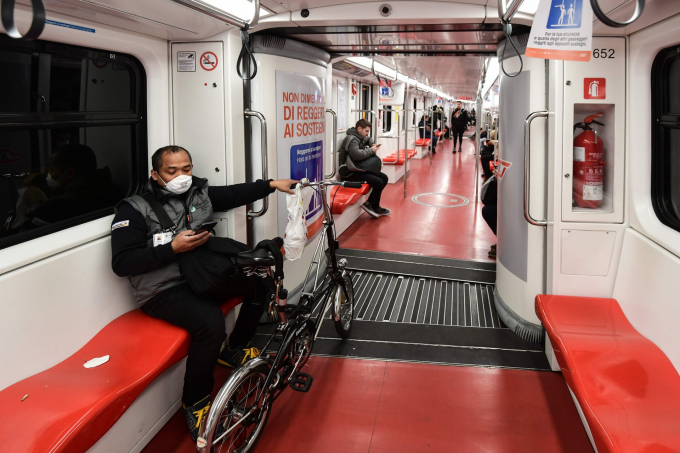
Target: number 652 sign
point(603, 53)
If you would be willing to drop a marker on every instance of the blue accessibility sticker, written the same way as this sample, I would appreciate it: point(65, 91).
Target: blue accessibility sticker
point(74, 27)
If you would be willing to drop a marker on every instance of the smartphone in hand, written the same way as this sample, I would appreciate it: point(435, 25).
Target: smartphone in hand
point(207, 226)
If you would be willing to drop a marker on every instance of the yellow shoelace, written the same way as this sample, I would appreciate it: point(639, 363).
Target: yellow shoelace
point(200, 414)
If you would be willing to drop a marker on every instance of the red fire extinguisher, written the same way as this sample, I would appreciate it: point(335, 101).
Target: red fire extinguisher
point(588, 186)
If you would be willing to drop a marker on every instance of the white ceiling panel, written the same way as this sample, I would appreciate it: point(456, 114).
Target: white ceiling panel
point(456, 75)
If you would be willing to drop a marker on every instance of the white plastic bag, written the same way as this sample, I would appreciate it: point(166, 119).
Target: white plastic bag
point(295, 238)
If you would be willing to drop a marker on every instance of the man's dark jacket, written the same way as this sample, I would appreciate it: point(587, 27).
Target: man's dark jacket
point(150, 269)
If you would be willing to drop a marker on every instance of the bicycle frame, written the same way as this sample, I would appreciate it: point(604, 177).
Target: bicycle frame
point(290, 330)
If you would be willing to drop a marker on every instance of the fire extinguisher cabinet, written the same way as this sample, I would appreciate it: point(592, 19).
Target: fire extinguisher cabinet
point(593, 135)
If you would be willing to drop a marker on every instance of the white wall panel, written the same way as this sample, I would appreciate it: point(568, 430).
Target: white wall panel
point(50, 309)
point(646, 291)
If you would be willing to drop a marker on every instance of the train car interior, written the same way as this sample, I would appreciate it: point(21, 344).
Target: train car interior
point(475, 205)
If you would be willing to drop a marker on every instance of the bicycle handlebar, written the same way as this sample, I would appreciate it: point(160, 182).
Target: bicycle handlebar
point(307, 183)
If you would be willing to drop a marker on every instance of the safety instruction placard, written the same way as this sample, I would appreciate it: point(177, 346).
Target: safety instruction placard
point(186, 61)
point(562, 30)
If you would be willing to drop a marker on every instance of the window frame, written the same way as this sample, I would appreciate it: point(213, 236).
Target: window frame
point(662, 122)
point(137, 118)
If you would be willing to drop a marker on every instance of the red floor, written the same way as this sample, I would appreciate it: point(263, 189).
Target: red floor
point(374, 406)
point(459, 233)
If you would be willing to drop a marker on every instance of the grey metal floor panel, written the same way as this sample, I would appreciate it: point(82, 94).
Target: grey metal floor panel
point(422, 300)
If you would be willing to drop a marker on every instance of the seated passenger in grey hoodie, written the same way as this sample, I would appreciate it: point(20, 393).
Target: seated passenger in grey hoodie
point(358, 146)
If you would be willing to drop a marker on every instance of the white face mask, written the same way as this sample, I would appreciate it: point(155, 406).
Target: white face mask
point(51, 182)
point(179, 185)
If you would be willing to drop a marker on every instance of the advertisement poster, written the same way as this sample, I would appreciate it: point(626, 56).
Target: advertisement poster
point(562, 30)
point(300, 139)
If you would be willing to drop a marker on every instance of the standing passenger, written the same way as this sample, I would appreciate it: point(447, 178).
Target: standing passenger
point(359, 163)
point(459, 122)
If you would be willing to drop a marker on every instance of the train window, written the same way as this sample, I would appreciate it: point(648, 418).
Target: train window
point(387, 123)
point(72, 136)
point(666, 136)
point(415, 106)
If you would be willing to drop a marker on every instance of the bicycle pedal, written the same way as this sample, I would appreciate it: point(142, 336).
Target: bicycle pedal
point(301, 382)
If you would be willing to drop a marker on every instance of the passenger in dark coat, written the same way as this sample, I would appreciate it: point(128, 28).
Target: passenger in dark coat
point(459, 122)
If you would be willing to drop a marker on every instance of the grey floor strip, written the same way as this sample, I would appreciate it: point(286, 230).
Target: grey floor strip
point(422, 300)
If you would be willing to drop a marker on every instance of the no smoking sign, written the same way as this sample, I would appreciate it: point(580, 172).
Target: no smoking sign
point(208, 61)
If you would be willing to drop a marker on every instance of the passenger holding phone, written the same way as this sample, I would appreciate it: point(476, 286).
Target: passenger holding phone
point(147, 254)
point(359, 162)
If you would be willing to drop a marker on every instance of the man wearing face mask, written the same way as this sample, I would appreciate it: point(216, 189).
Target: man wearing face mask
point(147, 255)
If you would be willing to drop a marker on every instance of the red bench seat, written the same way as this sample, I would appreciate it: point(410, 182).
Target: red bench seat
point(343, 197)
point(69, 407)
point(394, 160)
point(628, 389)
point(423, 142)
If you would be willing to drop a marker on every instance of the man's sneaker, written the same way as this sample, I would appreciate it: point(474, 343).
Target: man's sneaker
point(383, 211)
point(492, 253)
point(237, 356)
point(460, 150)
point(493, 247)
point(195, 415)
point(369, 210)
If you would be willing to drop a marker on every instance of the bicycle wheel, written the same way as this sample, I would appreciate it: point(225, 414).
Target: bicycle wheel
point(345, 306)
point(241, 416)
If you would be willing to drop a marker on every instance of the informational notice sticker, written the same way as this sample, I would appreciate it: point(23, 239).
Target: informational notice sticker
point(186, 61)
point(562, 30)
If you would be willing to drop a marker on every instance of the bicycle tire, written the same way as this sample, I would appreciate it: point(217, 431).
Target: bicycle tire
point(343, 326)
point(260, 371)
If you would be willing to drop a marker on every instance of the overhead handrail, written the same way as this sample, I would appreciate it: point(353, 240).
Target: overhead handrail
point(335, 142)
point(505, 18)
point(378, 76)
point(37, 23)
point(263, 148)
point(527, 162)
point(639, 7)
point(210, 10)
point(216, 13)
point(507, 15)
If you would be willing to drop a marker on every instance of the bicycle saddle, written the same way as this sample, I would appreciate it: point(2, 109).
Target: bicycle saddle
point(256, 257)
point(260, 256)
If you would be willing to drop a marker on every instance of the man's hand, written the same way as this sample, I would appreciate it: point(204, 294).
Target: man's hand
point(188, 240)
point(375, 148)
point(283, 185)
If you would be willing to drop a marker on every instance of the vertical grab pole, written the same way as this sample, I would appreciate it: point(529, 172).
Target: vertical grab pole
point(480, 117)
point(263, 148)
point(431, 129)
point(406, 125)
point(334, 141)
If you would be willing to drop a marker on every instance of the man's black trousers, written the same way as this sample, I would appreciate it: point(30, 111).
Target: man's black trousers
point(203, 319)
point(457, 136)
point(377, 183)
